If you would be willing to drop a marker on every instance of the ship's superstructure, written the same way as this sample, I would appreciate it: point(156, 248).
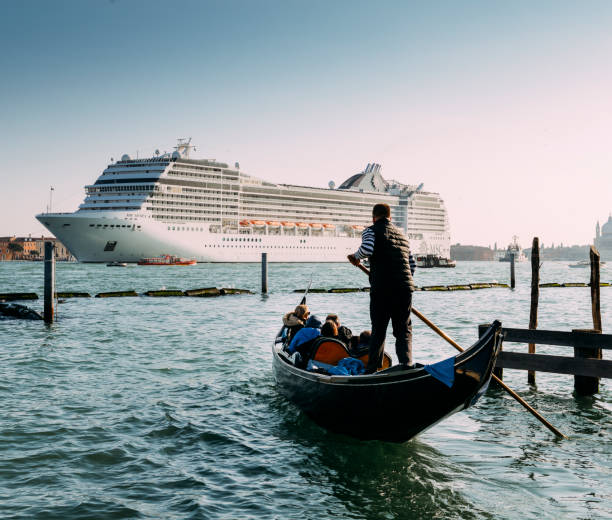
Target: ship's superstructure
point(204, 209)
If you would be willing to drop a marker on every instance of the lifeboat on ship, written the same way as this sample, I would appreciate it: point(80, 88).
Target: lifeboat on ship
point(258, 223)
point(167, 260)
point(315, 225)
point(245, 223)
point(273, 224)
point(329, 226)
point(288, 224)
point(357, 227)
point(301, 225)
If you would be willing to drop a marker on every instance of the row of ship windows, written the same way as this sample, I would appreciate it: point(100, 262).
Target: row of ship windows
point(108, 208)
point(179, 217)
point(112, 226)
point(107, 201)
point(181, 168)
point(207, 176)
point(226, 210)
point(139, 165)
point(193, 204)
point(225, 192)
point(272, 247)
point(183, 228)
point(194, 197)
point(146, 188)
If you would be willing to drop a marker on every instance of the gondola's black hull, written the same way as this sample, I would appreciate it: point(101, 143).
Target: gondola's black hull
point(391, 405)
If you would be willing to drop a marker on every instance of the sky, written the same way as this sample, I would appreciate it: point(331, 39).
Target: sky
point(504, 108)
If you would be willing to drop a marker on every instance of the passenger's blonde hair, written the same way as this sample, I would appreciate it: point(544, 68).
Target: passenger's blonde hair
point(301, 311)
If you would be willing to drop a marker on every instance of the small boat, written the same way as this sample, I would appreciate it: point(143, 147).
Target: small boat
point(316, 225)
point(167, 260)
point(586, 263)
point(245, 223)
point(434, 261)
point(288, 224)
point(273, 224)
point(116, 264)
point(258, 223)
point(513, 249)
point(329, 226)
point(394, 404)
point(301, 224)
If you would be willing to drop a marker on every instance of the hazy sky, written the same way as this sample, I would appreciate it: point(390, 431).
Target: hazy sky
point(504, 108)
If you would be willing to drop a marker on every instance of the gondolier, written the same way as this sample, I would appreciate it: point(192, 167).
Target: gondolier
point(391, 285)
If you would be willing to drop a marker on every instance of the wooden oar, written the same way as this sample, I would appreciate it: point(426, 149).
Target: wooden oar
point(516, 397)
point(306, 292)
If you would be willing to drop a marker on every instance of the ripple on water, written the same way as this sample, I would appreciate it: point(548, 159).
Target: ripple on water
point(167, 408)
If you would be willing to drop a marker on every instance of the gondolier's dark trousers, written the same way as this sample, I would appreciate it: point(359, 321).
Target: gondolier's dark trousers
point(395, 305)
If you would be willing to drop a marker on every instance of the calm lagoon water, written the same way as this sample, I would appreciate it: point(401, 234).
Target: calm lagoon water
point(166, 408)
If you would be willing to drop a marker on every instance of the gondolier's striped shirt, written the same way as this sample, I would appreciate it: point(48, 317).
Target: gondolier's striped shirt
point(367, 248)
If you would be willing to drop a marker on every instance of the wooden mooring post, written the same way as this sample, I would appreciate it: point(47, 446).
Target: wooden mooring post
point(49, 282)
point(584, 385)
point(264, 273)
point(535, 293)
point(595, 287)
point(512, 277)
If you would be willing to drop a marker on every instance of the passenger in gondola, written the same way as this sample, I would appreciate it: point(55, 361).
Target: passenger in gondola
point(294, 321)
point(391, 285)
point(329, 329)
point(360, 344)
point(305, 336)
point(344, 333)
point(364, 340)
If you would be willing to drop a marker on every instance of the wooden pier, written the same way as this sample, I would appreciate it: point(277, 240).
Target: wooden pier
point(586, 364)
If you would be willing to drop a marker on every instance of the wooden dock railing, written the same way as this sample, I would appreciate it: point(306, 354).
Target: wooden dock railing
point(586, 365)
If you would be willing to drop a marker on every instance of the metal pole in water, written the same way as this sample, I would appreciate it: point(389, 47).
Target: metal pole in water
point(49, 281)
point(512, 279)
point(264, 273)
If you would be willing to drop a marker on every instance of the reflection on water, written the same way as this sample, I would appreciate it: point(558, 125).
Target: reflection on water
point(376, 479)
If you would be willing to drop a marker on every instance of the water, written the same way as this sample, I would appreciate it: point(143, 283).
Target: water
point(166, 408)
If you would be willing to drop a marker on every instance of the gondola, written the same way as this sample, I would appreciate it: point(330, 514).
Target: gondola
point(394, 404)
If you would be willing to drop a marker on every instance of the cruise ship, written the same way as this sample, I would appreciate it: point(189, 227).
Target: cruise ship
point(172, 204)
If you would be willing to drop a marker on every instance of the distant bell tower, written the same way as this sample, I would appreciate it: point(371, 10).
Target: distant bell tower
point(597, 230)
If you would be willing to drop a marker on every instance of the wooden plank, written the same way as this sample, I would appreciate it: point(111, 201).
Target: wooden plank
point(555, 364)
point(561, 338)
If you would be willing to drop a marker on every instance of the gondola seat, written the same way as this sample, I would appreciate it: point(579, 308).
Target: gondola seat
point(329, 351)
point(362, 354)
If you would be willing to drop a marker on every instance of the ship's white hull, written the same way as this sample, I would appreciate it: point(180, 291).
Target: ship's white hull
point(87, 237)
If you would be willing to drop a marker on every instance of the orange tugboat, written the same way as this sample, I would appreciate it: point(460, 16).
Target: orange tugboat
point(166, 260)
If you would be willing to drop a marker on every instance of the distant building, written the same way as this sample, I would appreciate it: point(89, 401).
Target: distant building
point(6, 252)
point(462, 253)
point(31, 248)
point(603, 239)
